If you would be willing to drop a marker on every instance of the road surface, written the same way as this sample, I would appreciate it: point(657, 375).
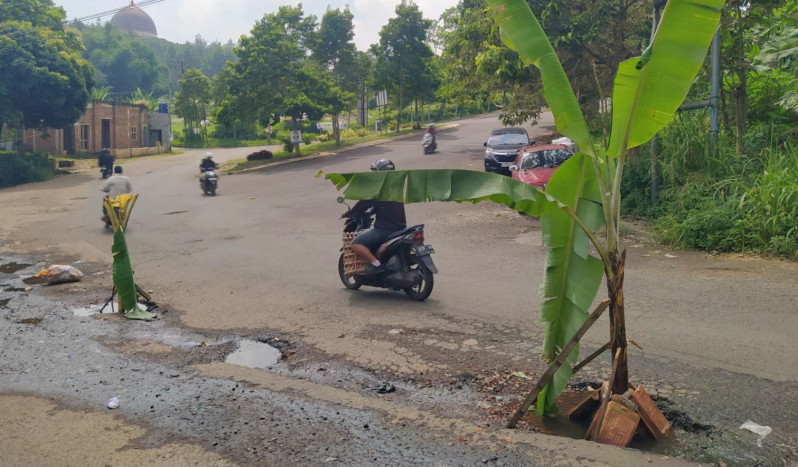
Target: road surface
point(258, 262)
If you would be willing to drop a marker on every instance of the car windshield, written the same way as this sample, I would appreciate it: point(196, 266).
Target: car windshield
point(518, 139)
point(546, 159)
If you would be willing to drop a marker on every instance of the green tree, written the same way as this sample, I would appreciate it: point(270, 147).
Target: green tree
point(584, 194)
point(191, 100)
point(43, 80)
point(779, 49)
point(124, 63)
point(335, 50)
point(403, 62)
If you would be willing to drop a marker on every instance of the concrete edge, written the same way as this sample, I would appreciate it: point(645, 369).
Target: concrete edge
point(336, 152)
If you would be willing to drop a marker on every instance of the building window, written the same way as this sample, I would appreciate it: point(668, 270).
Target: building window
point(84, 137)
point(133, 133)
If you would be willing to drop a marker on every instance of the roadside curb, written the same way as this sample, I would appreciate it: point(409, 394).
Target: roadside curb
point(336, 152)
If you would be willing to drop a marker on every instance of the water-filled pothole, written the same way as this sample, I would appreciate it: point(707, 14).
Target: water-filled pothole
point(10, 268)
point(253, 354)
point(84, 311)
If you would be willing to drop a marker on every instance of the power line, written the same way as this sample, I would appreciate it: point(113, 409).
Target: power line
point(113, 11)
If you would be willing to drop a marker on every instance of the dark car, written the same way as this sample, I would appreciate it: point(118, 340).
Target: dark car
point(536, 164)
point(501, 147)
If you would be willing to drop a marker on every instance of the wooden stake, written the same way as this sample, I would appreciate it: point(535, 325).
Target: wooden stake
point(591, 357)
point(556, 364)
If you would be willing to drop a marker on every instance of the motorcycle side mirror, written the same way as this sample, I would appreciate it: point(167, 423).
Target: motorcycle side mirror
point(341, 199)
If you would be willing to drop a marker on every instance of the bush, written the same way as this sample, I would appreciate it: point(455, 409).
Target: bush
point(16, 169)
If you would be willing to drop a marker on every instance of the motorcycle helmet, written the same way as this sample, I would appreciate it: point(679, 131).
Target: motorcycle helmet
point(383, 164)
point(208, 155)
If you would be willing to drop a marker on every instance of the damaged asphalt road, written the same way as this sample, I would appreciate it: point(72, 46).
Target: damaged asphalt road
point(256, 264)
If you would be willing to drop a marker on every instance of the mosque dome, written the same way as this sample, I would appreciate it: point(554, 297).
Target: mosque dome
point(134, 20)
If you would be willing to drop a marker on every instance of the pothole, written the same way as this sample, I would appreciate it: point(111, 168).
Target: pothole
point(252, 354)
point(84, 311)
point(10, 268)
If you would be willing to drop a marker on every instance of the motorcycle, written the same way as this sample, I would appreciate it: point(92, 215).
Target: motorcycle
point(106, 171)
point(429, 143)
point(408, 264)
point(209, 181)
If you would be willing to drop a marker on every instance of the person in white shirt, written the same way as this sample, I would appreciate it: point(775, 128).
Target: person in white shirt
point(116, 185)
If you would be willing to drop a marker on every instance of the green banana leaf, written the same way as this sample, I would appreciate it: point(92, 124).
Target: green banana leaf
point(522, 33)
point(121, 267)
point(572, 275)
point(649, 89)
point(123, 272)
point(417, 186)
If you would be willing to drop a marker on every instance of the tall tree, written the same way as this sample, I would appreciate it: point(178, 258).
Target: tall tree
point(191, 100)
point(336, 51)
point(43, 80)
point(403, 56)
point(124, 63)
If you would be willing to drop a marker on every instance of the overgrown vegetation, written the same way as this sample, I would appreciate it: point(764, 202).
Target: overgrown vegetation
point(720, 201)
point(16, 168)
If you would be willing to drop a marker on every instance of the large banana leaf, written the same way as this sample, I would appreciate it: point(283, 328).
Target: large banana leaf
point(417, 186)
point(522, 32)
point(649, 89)
point(572, 275)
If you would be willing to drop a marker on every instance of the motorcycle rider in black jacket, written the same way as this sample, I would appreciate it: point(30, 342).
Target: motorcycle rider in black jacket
point(389, 218)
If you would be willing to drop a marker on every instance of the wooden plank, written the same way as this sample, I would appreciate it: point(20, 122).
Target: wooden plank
point(619, 425)
point(652, 417)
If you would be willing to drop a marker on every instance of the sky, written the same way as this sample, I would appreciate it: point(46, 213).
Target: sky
point(219, 20)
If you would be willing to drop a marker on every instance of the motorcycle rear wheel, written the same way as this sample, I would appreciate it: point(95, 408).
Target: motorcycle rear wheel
point(351, 282)
point(423, 289)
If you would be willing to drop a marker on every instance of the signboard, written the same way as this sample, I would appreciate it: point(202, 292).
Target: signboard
point(296, 136)
point(378, 125)
point(382, 98)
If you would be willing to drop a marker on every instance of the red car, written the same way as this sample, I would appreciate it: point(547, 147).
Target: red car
point(536, 164)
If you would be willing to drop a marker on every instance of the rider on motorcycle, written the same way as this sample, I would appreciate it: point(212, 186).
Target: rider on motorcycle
point(207, 164)
point(116, 185)
point(432, 131)
point(105, 159)
point(389, 218)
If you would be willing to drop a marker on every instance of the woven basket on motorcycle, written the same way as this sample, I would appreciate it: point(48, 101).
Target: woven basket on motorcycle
point(352, 264)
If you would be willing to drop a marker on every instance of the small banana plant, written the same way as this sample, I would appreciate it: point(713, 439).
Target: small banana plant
point(118, 210)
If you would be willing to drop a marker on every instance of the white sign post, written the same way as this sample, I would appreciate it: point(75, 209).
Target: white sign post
point(296, 136)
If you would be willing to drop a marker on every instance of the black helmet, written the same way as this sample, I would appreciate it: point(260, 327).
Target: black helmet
point(383, 164)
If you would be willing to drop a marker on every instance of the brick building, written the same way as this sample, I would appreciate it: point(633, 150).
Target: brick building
point(118, 127)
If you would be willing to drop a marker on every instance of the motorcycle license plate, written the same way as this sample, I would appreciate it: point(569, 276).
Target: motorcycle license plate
point(423, 250)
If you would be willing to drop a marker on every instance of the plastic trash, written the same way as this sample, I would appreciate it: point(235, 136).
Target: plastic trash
point(112, 403)
point(59, 274)
point(761, 430)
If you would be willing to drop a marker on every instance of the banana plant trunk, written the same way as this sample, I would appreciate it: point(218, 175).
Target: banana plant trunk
point(620, 382)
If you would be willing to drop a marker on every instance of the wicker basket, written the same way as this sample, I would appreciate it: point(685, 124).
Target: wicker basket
point(352, 264)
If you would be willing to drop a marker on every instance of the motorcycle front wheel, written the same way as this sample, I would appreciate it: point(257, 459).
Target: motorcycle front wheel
point(351, 282)
point(423, 288)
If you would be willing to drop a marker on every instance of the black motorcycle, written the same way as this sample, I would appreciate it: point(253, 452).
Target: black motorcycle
point(429, 143)
point(407, 260)
point(106, 171)
point(209, 181)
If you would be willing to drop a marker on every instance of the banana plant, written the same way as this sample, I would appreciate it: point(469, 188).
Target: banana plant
point(118, 210)
point(584, 194)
